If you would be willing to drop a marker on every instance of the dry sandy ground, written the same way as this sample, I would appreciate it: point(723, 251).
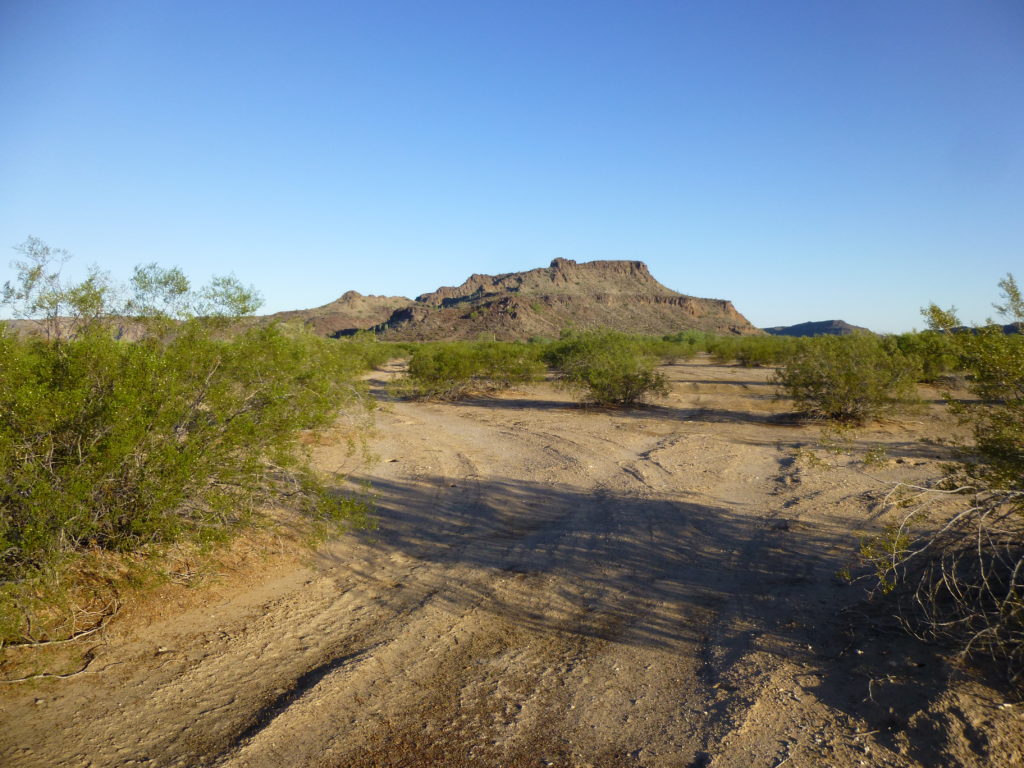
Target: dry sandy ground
point(550, 586)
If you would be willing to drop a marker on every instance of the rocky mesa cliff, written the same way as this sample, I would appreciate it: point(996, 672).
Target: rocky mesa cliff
point(611, 294)
point(517, 305)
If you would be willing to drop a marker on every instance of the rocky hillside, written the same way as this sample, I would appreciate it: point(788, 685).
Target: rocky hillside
point(612, 294)
point(345, 315)
point(817, 328)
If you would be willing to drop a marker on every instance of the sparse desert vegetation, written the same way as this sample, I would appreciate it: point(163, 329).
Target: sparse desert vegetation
point(680, 544)
point(852, 378)
point(607, 367)
point(578, 420)
point(452, 370)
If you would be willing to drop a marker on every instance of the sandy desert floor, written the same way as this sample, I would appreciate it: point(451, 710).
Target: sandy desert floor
point(550, 585)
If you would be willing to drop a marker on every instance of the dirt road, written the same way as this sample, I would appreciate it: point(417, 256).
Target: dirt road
point(551, 586)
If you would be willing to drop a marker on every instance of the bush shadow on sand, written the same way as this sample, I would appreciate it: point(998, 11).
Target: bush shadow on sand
point(675, 575)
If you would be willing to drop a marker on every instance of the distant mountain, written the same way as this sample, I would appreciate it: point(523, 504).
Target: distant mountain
point(622, 295)
point(817, 328)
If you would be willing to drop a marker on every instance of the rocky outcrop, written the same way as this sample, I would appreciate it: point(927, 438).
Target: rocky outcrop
point(563, 277)
point(542, 302)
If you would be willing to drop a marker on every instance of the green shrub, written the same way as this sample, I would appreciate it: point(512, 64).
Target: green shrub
point(723, 349)
point(848, 378)
point(452, 370)
point(607, 367)
point(366, 353)
point(757, 351)
point(935, 352)
point(668, 350)
point(698, 340)
point(751, 351)
point(110, 445)
point(994, 362)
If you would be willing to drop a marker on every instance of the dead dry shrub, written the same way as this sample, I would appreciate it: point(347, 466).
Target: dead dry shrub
point(960, 584)
point(958, 577)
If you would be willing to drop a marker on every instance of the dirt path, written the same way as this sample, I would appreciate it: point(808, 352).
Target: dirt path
point(550, 585)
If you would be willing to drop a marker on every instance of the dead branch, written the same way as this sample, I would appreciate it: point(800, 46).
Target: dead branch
point(107, 616)
point(89, 658)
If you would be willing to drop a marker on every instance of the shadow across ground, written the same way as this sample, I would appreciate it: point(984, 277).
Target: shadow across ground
point(643, 412)
point(663, 573)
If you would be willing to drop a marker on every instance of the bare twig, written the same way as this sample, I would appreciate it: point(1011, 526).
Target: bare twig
point(89, 658)
point(77, 636)
point(963, 582)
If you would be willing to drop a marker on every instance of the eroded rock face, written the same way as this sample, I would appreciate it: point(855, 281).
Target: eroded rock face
point(517, 305)
point(563, 277)
point(611, 294)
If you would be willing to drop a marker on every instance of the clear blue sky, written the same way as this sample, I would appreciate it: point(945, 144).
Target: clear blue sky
point(807, 160)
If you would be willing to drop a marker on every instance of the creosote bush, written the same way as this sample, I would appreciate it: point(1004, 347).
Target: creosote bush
point(452, 370)
point(108, 445)
point(607, 367)
point(935, 353)
point(680, 346)
point(752, 351)
point(848, 378)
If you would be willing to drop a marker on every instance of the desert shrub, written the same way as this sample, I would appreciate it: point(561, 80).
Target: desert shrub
point(723, 349)
point(672, 352)
point(365, 352)
point(669, 351)
point(994, 361)
point(443, 371)
point(540, 340)
point(757, 351)
point(507, 364)
point(452, 370)
point(959, 578)
point(696, 339)
point(751, 351)
point(607, 367)
point(364, 346)
point(847, 378)
point(935, 352)
point(110, 445)
point(114, 445)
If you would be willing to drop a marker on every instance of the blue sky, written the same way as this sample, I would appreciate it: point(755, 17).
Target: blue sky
point(807, 160)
